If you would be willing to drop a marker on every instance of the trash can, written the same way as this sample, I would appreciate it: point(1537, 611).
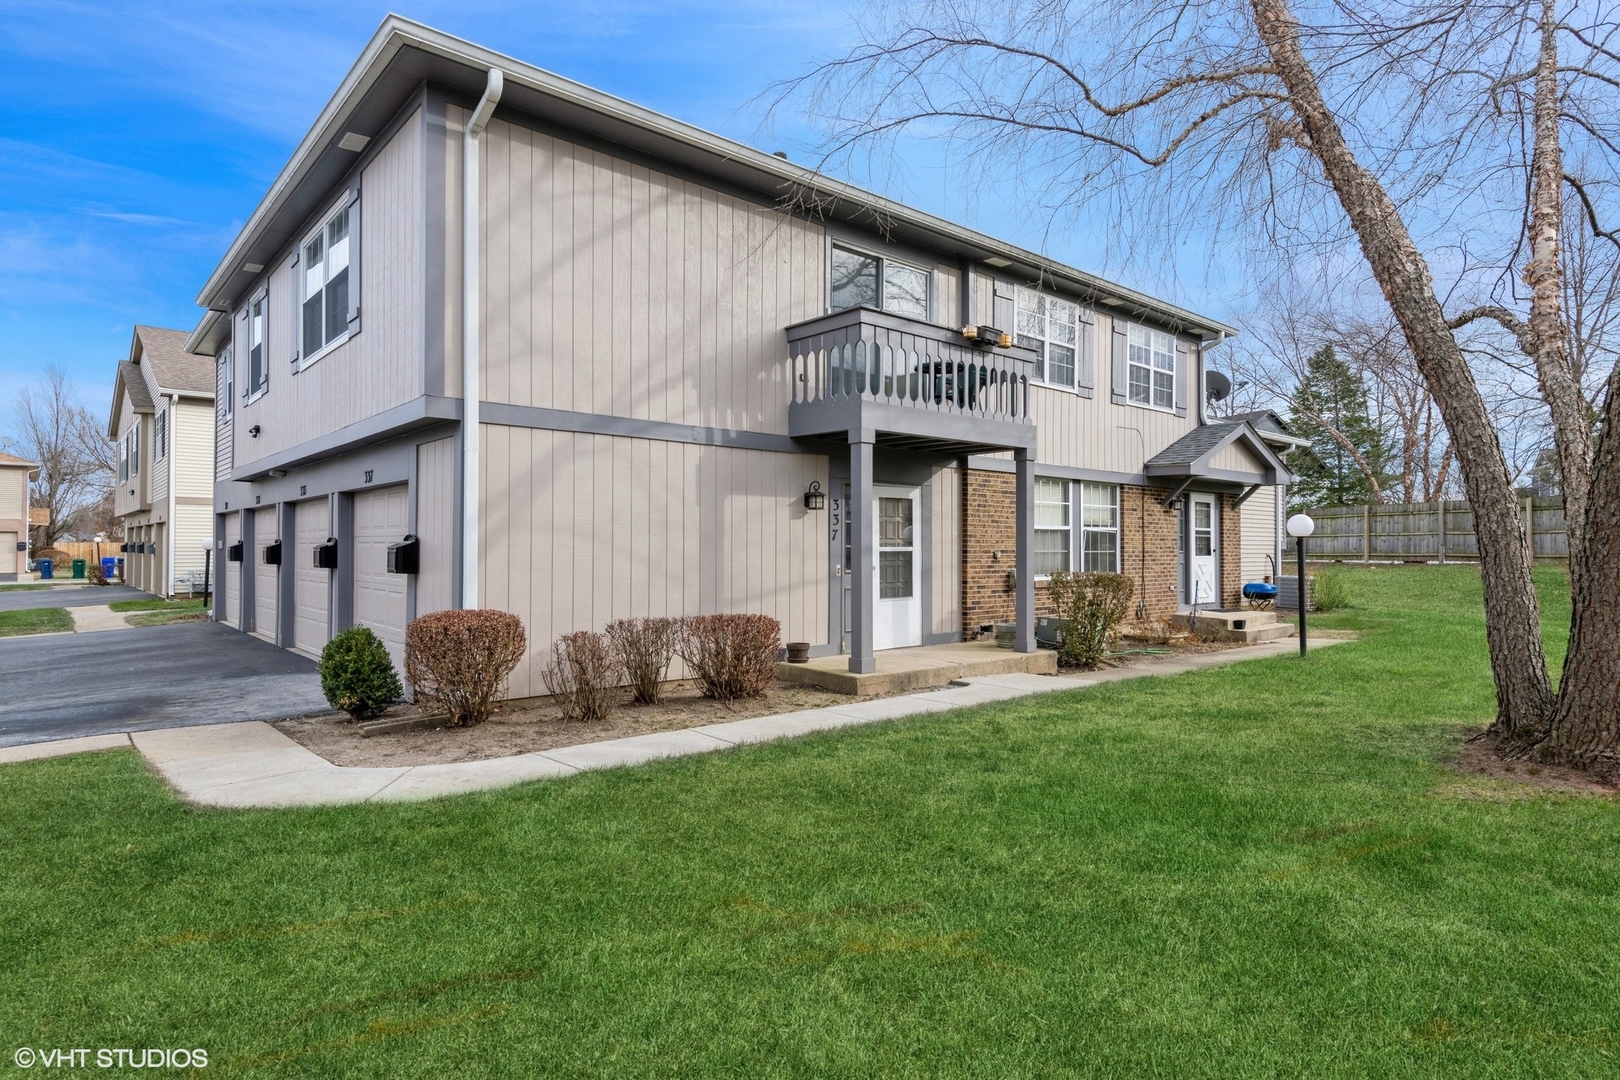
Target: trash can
point(109, 567)
point(78, 568)
point(45, 573)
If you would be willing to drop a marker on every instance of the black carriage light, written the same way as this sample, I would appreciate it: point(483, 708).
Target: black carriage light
point(404, 557)
point(272, 553)
point(234, 552)
point(987, 335)
point(326, 555)
point(815, 498)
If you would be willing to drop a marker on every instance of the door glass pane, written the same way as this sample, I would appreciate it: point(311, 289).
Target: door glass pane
point(1201, 515)
point(894, 523)
point(854, 280)
point(894, 575)
point(905, 290)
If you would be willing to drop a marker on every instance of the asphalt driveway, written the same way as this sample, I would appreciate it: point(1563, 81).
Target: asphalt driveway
point(63, 686)
point(67, 596)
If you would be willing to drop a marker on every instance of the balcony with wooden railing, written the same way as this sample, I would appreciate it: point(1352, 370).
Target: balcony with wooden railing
point(909, 382)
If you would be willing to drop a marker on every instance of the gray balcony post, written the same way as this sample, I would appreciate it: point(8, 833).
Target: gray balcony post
point(860, 508)
point(1024, 522)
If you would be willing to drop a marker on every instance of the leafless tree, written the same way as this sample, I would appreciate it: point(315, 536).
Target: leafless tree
point(1393, 130)
point(74, 455)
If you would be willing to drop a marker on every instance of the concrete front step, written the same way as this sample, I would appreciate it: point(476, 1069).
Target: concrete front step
point(921, 668)
point(1249, 626)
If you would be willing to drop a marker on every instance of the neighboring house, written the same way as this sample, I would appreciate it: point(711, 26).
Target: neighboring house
point(15, 473)
point(162, 425)
point(39, 519)
point(706, 380)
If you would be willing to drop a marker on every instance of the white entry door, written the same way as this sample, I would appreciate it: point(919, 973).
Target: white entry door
point(897, 610)
point(1202, 587)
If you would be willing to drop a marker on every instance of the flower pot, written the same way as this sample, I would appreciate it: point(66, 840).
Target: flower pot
point(798, 652)
point(1005, 632)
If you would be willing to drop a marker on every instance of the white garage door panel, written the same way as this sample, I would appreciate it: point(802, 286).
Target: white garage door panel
point(8, 553)
point(233, 572)
point(311, 585)
point(379, 597)
point(264, 576)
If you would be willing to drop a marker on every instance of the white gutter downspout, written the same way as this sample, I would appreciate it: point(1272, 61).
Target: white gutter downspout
point(1204, 346)
point(470, 305)
point(168, 450)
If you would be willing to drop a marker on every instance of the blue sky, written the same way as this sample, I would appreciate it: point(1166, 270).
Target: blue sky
point(136, 138)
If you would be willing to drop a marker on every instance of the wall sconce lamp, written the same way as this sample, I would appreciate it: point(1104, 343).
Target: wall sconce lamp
point(254, 431)
point(987, 335)
point(815, 498)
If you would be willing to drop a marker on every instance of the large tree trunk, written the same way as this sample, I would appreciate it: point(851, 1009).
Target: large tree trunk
point(1586, 728)
point(1546, 339)
point(1512, 615)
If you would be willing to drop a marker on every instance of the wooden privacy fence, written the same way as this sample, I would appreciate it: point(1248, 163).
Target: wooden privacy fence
point(1435, 531)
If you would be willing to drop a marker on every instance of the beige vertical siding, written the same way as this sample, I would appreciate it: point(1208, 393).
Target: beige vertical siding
point(159, 486)
point(1259, 523)
point(984, 298)
point(382, 365)
point(579, 530)
point(191, 430)
point(948, 296)
point(1095, 433)
point(1238, 458)
point(611, 288)
point(222, 455)
point(946, 490)
point(435, 524)
point(193, 524)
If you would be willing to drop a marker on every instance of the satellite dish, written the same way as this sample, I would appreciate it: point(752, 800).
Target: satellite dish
point(1217, 386)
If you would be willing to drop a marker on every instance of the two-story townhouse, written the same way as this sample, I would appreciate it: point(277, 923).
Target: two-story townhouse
point(15, 474)
point(162, 426)
point(701, 379)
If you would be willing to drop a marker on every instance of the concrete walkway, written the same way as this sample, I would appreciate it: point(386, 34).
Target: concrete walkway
point(253, 765)
point(94, 618)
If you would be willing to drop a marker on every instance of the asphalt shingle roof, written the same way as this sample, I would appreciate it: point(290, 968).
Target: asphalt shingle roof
point(173, 367)
point(140, 394)
point(1195, 444)
point(13, 459)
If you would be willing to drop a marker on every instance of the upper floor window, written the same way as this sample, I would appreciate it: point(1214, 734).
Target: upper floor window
point(324, 296)
point(227, 383)
point(1051, 327)
point(1052, 520)
point(1152, 368)
point(860, 279)
point(160, 436)
point(257, 368)
point(135, 448)
point(1099, 528)
point(123, 459)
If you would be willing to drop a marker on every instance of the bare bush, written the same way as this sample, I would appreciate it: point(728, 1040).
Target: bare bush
point(646, 646)
point(1091, 607)
point(583, 675)
point(732, 656)
point(460, 660)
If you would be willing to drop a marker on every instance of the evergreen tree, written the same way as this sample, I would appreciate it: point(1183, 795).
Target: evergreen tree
point(1331, 401)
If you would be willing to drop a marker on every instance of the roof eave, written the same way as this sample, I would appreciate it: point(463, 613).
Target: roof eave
point(396, 33)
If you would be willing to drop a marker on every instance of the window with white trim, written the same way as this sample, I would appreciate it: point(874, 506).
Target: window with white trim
point(135, 448)
point(123, 459)
point(1052, 543)
point(1099, 528)
point(1051, 327)
point(862, 279)
point(324, 273)
point(160, 436)
point(1152, 368)
point(257, 366)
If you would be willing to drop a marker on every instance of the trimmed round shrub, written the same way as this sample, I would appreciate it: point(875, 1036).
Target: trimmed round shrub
point(460, 660)
point(1091, 605)
point(583, 675)
point(356, 674)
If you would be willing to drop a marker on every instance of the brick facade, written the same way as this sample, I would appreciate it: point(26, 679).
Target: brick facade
point(1147, 533)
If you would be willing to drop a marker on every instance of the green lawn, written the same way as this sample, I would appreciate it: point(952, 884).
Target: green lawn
point(1255, 871)
point(25, 587)
point(156, 611)
point(35, 621)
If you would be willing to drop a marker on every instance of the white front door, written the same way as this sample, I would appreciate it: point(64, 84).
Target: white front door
point(897, 611)
point(1202, 588)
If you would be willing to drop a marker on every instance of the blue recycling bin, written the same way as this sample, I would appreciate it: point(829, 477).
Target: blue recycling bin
point(109, 567)
point(45, 570)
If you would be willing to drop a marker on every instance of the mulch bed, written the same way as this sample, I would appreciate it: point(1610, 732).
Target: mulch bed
point(524, 726)
point(1489, 776)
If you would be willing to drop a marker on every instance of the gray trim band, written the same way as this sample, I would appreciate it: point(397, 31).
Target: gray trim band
point(417, 413)
point(530, 416)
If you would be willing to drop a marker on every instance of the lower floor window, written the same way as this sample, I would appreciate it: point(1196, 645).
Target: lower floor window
point(1051, 525)
point(1099, 528)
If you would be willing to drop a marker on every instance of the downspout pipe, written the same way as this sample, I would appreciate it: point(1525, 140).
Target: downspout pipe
point(1204, 347)
point(470, 319)
point(169, 539)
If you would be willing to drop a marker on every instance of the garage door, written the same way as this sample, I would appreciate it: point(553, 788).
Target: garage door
point(233, 572)
point(311, 585)
point(379, 597)
point(9, 555)
point(264, 575)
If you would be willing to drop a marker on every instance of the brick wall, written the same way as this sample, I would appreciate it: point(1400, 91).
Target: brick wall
point(989, 530)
